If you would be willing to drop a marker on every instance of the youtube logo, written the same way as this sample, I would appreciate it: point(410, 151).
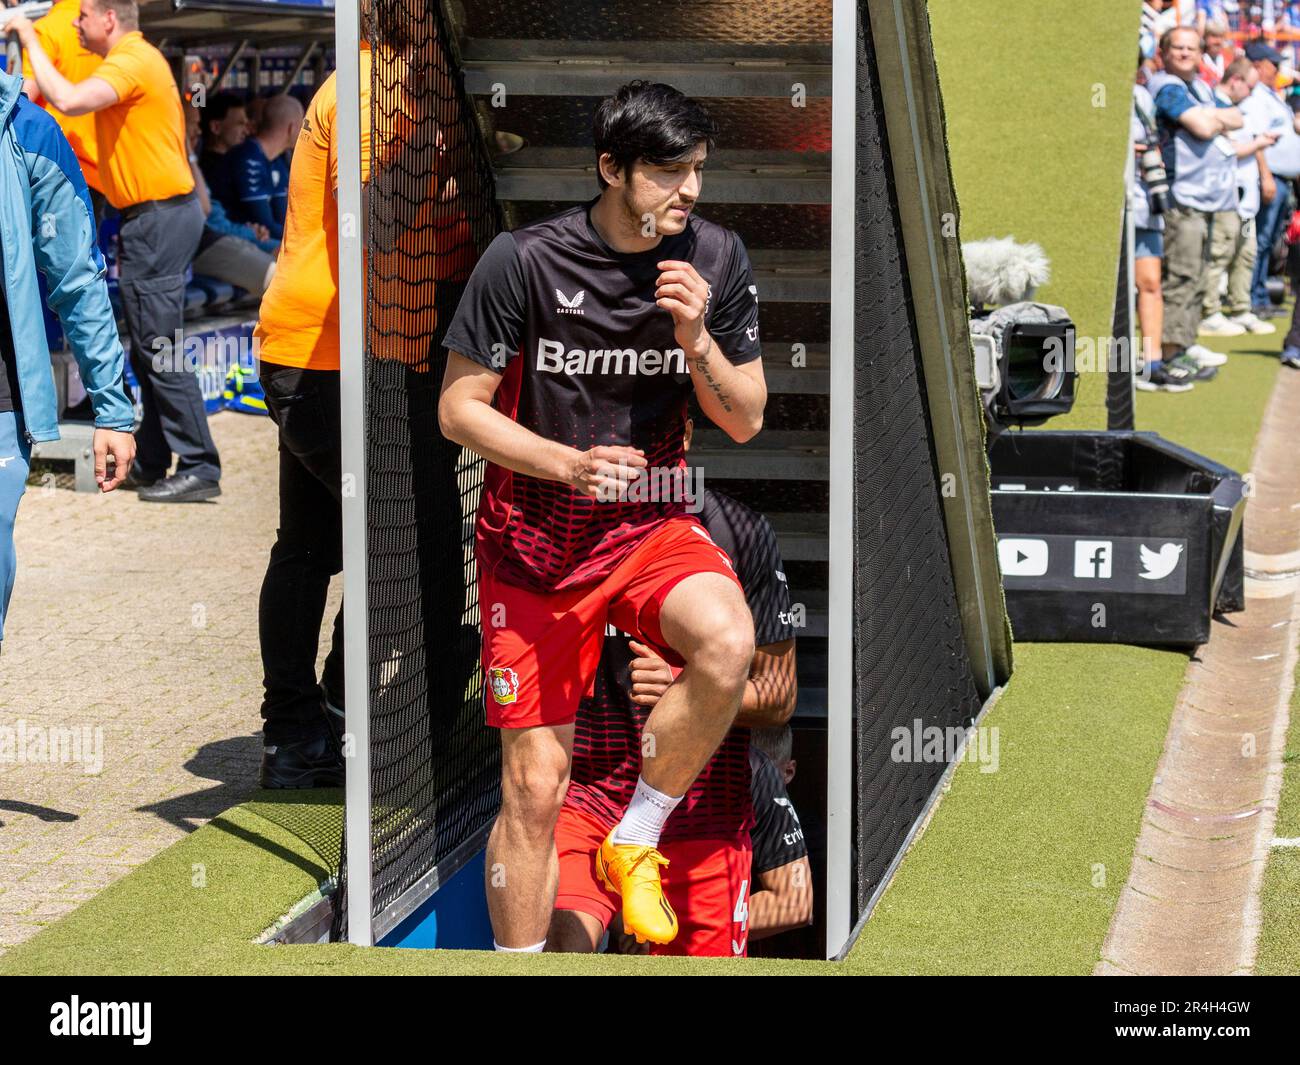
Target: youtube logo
point(1022, 557)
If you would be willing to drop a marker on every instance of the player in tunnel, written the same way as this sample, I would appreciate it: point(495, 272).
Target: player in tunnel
point(572, 355)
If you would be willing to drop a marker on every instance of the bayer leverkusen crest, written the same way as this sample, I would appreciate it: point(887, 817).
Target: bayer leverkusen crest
point(505, 684)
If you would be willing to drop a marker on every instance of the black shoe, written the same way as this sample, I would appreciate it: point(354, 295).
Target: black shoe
point(180, 488)
point(1187, 362)
point(137, 479)
point(311, 763)
point(1164, 377)
point(335, 717)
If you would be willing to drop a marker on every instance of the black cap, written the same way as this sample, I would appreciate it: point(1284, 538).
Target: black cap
point(1257, 50)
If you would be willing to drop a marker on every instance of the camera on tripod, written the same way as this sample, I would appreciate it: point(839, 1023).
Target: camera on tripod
point(1024, 351)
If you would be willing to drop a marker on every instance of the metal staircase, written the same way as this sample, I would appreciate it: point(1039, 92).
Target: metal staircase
point(539, 69)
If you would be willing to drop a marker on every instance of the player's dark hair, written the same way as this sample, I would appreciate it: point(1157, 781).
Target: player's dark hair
point(221, 104)
point(776, 743)
point(652, 122)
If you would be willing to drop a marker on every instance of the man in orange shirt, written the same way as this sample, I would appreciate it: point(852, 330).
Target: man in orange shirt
point(145, 173)
point(57, 32)
point(298, 348)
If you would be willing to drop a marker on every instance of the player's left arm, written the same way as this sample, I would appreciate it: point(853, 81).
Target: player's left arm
point(771, 690)
point(733, 397)
point(784, 900)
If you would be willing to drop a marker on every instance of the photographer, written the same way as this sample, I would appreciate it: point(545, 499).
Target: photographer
point(1148, 197)
point(1202, 167)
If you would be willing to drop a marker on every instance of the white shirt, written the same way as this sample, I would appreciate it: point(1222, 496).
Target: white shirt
point(1248, 196)
point(1271, 114)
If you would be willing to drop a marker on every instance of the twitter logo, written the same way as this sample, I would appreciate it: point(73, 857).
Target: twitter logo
point(1157, 565)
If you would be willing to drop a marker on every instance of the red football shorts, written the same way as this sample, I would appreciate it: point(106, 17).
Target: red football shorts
point(541, 649)
point(706, 882)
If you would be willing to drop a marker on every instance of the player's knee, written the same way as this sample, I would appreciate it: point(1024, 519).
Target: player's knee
point(728, 652)
point(532, 792)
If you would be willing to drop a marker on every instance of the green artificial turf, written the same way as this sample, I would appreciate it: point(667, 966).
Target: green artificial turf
point(197, 908)
point(1020, 869)
point(1037, 101)
point(1220, 418)
point(1279, 934)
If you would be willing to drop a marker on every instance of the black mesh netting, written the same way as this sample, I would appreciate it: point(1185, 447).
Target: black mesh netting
point(910, 661)
point(1119, 378)
point(431, 210)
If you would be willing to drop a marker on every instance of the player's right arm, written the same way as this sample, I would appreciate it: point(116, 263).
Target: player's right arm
point(782, 899)
point(466, 416)
point(483, 340)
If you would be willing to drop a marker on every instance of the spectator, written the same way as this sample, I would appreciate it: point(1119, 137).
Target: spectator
point(259, 168)
point(224, 128)
point(1269, 112)
point(1232, 247)
point(1211, 17)
point(1148, 243)
point(140, 130)
point(238, 254)
point(298, 339)
point(782, 895)
point(1202, 171)
point(57, 32)
point(1160, 16)
point(40, 179)
point(1214, 57)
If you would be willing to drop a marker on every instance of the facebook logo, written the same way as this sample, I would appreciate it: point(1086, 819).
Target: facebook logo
point(1092, 558)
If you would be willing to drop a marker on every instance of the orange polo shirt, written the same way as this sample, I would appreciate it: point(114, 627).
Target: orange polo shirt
point(299, 320)
point(60, 42)
point(299, 323)
point(141, 138)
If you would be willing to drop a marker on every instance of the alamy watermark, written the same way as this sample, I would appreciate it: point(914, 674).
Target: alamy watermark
point(656, 484)
point(920, 742)
point(24, 744)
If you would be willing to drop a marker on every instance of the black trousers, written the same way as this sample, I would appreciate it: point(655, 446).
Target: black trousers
point(418, 563)
point(155, 248)
point(308, 551)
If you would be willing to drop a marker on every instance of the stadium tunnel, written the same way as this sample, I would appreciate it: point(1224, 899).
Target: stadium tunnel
point(870, 465)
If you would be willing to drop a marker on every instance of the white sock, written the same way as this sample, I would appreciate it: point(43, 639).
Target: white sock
point(646, 815)
point(536, 948)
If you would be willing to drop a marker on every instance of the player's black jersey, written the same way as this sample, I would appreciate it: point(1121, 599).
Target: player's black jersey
point(607, 736)
point(588, 358)
point(777, 836)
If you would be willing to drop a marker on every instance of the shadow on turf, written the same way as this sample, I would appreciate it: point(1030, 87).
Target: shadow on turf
point(327, 869)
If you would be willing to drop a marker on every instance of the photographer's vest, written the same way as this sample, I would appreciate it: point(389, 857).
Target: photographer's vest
point(1202, 173)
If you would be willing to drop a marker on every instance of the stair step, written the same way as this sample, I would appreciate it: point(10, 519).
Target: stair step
point(812, 607)
point(811, 379)
point(666, 49)
point(783, 184)
point(576, 157)
point(791, 275)
point(559, 71)
point(783, 455)
point(802, 537)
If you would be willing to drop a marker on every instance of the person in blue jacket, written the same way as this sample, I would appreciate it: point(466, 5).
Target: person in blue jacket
point(258, 169)
point(47, 224)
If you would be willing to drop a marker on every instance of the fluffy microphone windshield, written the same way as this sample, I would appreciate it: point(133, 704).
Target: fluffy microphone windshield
point(1000, 271)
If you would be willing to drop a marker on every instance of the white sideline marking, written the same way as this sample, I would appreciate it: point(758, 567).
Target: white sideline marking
point(1280, 841)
